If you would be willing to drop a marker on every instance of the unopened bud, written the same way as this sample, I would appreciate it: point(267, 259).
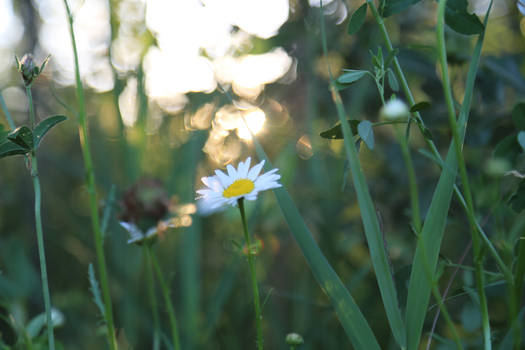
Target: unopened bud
point(294, 339)
point(394, 109)
point(28, 69)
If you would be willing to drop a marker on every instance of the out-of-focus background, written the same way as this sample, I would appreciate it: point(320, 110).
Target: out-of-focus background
point(167, 85)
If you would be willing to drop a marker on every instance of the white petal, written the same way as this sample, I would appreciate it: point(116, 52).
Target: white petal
point(223, 179)
point(232, 173)
point(243, 168)
point(254, 172)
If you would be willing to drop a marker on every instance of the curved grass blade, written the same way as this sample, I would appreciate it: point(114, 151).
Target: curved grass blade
point(419, 288)
point(349, 314)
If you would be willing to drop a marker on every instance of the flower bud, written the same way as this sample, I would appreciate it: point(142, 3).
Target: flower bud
point(28, 69)
point(394, 109)
point(294, 339)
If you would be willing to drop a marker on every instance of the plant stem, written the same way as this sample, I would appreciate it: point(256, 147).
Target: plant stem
point(151, 295)
point(41, 250)
point(6, 112)
point(90, 181)
point(478, 256)
point(39, 229)
point(169, 305)
point(412, 182)
point(251, 261)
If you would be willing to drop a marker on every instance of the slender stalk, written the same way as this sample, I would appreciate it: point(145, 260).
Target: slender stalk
point(151, 295)
point(412, 182)
point(478, 256)
point(6, 112)
point(90, 180)
point(167, 300)
point(251, 261)
point(41, 250)
point(39, 229)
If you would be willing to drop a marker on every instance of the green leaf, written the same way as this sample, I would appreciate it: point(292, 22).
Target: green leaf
point(22, 136)
point(357, 20)
point(518, 116)
point(521, 139)
point(517, 200)
point(351, 76)
point(44, 126)
point(349, 314)
point(395, 6)
point(8, 148)
point(366, 132)
point(95, 290)
point(335, 133)
point(392, 81)
point(420, 106)
point(508, 148)
point(459, 20)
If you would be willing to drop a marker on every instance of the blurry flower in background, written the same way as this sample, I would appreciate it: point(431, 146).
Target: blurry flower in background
point(243, 182)
point(148, 212)
point(394, 109)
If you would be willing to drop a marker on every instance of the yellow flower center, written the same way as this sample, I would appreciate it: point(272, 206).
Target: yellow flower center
point(238, 188)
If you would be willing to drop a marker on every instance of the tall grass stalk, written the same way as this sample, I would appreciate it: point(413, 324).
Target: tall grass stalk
point(478, 255)
point(152, 296)
point(251, 251)
point(167, 300)
point(39, 230)
point(371, 225)
point(90, 181)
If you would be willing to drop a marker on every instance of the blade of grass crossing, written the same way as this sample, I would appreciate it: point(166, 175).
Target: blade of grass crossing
point(371, 225)
point(419, 287)
point(351, 318)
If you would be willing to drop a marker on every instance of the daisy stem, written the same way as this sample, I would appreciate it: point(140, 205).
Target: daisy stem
point(251, 261)
point(151, 295)
point(39, 229)
point(169, 305)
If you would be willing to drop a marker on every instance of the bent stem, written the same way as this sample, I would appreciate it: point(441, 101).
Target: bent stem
point(39, 229)
point(151, 295)
point(251, 261)
point(167, 300)
point(90, 181)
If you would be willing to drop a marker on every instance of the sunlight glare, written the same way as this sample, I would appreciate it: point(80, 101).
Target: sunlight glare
point(255, 119)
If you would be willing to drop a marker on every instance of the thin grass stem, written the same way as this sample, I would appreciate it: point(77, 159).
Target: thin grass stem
point(152, 296)
point(90, 181)
point(251, 261)
point(167, 300)
point(6, 112)
point(39, 229)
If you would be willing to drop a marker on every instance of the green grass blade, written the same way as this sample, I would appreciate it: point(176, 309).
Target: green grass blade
point(373, 233)
point(351, 318)
point(419, 287)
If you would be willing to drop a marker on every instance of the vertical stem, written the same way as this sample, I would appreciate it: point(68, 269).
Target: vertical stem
point(90, 180)
point(41, 250)
point(6, 112)
point(251, 261)
point(412, 182)
point(478, 256)
point(39, 229)
point(151, 295)
point(169, 305)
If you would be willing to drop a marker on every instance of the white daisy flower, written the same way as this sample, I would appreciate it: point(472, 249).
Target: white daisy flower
point(243, 182)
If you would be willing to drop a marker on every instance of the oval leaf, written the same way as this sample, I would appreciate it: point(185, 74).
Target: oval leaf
point(366, 133)
point(22, 136)
point(392, 81)
point(351, 76)
point(459, 20)
point(521, 139)
point(44, 126)
point(357, 20)
point(336, 133)
point(395, 6)
point(419, 106)
point(8, 148)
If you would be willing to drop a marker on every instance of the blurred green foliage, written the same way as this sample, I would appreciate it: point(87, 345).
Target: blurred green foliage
point(203, 264)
